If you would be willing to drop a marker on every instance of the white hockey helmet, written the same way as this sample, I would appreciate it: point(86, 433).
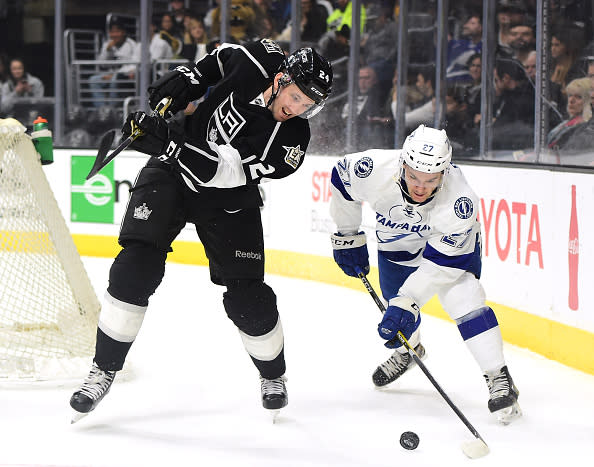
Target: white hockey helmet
point(427, 150)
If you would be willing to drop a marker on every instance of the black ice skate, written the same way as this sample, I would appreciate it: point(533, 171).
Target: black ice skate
point(503, 396)
point(395, 366)
point(93, 389)
point(274, 394)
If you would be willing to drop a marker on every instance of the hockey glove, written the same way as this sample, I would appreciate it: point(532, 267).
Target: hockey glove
point(350, 253)
point(182, 85)
point(158, 139)
point(403, 315)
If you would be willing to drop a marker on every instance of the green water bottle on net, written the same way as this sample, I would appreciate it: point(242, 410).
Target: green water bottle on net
point(42, 139)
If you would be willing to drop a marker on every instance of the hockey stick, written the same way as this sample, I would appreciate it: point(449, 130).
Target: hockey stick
point(102, 159)
point(472, 449)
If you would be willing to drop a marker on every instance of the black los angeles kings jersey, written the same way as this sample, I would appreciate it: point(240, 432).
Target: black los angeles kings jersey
point(233, 143)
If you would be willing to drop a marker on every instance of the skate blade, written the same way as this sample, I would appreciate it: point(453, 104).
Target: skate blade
point(475, 449)
point(274, 414)
point(509, 414)
point(76, 416)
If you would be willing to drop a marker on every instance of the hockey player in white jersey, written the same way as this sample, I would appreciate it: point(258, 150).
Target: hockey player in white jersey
point(428, 242)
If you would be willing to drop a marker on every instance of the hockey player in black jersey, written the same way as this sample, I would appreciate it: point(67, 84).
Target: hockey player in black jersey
point(242, 134)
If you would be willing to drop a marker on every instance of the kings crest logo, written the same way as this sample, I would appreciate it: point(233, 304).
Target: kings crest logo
point(363, 167)
point(226, 120)
point(293, 156)
point(142, 212)
point(463, 207)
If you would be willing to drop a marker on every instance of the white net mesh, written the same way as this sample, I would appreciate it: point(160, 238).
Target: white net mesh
point(48, 308)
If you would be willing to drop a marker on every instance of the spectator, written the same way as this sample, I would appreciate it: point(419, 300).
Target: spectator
point(579, 111)
point(312, 24)
point(118, 47)
point(473, 90)
point(373, 119)
point(523, 40)
point(423, 114)
point(411, 94)
point(280, 12)
point(264, 25)
point(566, 42)
point(19, 84)
point(159, 47)
point(508, 12)
point(529, 64)
point(556, 96)
point(513, 106)
point(178, 12)
point(457, 122)
point(380, 43)
point(197, 48)
point(460, 50)
point(188, 16)
point(170, 33)
point(582, 137)
point(335, 44)
point(342, 15)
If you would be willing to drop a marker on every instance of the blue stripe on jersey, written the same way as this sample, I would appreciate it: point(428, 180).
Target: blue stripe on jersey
point(391, 275)
point(476, 322)
point(337, 182)
point(399, 256)
point(470, 262)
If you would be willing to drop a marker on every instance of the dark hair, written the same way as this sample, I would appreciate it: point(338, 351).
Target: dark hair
point(118, 23)
point(457, 92)
point(427, 72)
point(511, 67)
point(474, 14)
point(472, 57)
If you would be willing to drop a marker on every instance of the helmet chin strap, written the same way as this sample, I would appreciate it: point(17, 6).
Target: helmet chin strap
point(282, 81)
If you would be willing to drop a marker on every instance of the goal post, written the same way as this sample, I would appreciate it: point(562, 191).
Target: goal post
point(48, 307)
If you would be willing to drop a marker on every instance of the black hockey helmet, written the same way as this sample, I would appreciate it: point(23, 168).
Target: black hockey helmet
point(312, 74)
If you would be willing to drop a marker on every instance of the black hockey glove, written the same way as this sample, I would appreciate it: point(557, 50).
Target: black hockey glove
point(182, 85)
point(158, 140)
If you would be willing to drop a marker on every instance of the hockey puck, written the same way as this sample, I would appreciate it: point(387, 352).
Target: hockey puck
point(409, 440)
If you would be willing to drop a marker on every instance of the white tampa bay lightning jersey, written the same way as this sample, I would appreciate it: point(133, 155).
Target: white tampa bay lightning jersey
point(441, 237)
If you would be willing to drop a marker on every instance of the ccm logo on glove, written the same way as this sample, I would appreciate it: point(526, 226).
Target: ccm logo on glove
point(403, 315)
point(171, 152)
point(191, 75)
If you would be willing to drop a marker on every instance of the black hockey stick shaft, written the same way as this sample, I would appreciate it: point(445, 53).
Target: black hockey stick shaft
point(103, 159)
point(419, 362)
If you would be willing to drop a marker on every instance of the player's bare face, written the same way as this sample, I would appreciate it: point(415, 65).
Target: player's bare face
point(290, 102)
point(420, 184)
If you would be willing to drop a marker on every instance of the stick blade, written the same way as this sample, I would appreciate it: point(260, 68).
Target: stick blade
point(104, 147)
point(475, 449)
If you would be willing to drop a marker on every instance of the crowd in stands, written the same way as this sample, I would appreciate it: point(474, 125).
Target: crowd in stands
point(180, 33)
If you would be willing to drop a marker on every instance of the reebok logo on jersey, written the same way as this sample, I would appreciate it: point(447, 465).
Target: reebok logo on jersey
point(248, 255)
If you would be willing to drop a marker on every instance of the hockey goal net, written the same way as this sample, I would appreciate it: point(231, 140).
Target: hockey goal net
point(48, 307)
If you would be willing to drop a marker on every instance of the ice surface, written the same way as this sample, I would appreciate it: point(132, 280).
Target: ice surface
point(194, 399)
